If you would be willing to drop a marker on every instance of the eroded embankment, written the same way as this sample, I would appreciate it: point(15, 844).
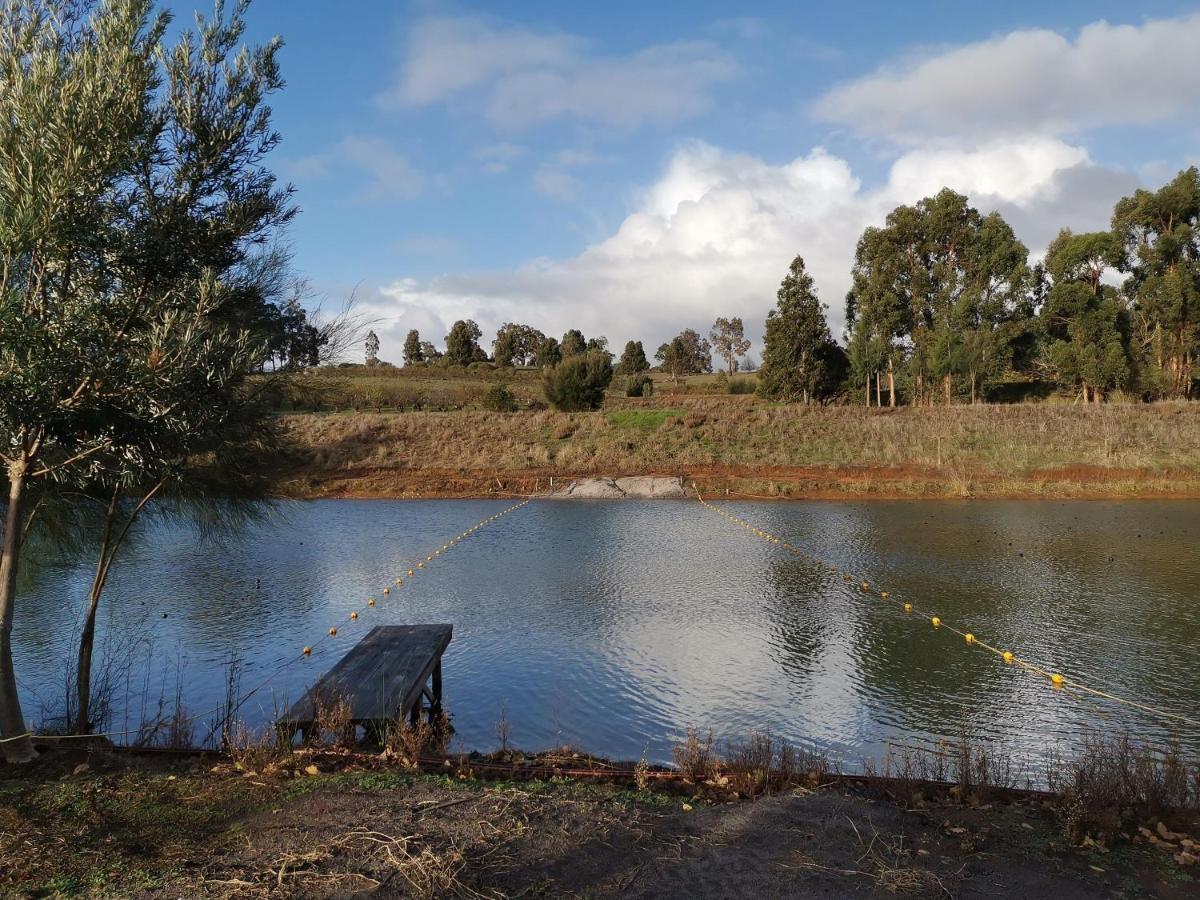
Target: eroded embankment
point(760, 452)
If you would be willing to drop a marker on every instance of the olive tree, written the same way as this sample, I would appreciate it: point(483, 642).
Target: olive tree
point(135, 208)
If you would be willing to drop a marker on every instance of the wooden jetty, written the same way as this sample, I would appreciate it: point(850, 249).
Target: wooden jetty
point(395, 671)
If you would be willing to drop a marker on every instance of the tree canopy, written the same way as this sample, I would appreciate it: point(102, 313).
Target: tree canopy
point(801, 361)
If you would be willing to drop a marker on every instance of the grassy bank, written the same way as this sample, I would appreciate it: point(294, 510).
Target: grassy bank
point(741, 446)
point(332, 822)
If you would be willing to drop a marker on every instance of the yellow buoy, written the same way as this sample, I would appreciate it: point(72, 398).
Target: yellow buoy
point(385, 591)
point(354, 615)
point(866, 585)
point(399, 581)
point(908, 607)
point(1056, 680)
point(1008, 657)
point(429, 559)
point(371, 602)
point(333, 632)
point(410, 573)
point(308, 651)
point(883, 594)
point(936, 622)
point(420, 565)
point(970, 638)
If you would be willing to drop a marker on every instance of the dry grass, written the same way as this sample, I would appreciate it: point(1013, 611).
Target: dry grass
point(408, 742)
point(739, 444)
point(1115, 785)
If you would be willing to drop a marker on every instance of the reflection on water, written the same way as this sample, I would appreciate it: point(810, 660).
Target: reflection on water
point(614, 626)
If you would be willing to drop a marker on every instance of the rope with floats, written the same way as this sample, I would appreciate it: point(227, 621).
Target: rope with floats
point(408, 571)
point(1056, 679)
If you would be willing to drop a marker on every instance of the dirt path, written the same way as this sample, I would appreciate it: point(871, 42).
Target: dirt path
point(434, 839)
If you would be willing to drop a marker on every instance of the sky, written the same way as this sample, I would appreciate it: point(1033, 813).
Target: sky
point(632, 169)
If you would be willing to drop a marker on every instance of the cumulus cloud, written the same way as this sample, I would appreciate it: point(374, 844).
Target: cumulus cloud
point(1033, 80)
point(524, 76)
point(716, 232)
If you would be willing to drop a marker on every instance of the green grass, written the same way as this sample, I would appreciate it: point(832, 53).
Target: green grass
point(642, 419)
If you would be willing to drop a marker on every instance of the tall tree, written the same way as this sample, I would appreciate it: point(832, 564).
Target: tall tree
point(1082, 317)
point(516, 344)
point(801, 361)
point(462, 343)
point(548, 353)
point(685, 354)
point(941, 281)
point(133, 206)
point(372, 348)
point(633, 359)
point(572, 343)
point(729, 340)
point(414, 353)
point(1160, 237)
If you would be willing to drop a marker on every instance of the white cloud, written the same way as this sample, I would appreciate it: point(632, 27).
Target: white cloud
point(716, 232)
point(525, 76)
point(1030, 80)
point(387, 173)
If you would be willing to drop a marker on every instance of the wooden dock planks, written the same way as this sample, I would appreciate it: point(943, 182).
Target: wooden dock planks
point(384, 675)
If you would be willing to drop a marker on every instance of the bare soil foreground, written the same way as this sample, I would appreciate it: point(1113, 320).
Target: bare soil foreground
point(737, 446)
point(342, 825)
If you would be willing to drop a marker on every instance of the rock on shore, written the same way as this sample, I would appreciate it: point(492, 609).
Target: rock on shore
point(636, 487)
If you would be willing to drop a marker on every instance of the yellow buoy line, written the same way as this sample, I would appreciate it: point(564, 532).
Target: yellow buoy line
point(1055, 679)
point(408, 571)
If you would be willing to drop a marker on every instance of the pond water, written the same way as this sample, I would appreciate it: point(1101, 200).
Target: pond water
point(614, 626)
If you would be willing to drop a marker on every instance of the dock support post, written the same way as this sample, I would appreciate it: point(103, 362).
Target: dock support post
point(435, 708)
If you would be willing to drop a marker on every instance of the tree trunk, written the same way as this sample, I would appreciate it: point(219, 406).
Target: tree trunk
point(891, 385)
point(868, 390)
point(83, 673)
point(972, 387)
point(878, 389)
point(12, 721)
point(948, 389)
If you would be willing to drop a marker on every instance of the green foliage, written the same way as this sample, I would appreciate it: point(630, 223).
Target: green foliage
point(414, 353)
point(639, 385)
point(729, 341)
point(642, 419)
point(800, 359)
point(941, 290)
point(579, 381)
point(462, 344)
point(685, 354)
point(498, 398)
point(633, 360)
point(516, 344)
point(372, 348)
point(136, 294)
point(549, 353)
point(1159, 236)
point(572, 343)
point(742, 385)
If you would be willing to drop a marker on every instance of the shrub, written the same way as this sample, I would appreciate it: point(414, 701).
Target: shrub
point(579, 381)
point(695, 757)
point(741, 385)
point(498, 398)
point(640, 385)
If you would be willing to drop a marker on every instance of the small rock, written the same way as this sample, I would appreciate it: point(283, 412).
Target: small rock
point(687, 807)
point(80, 769)
point(1186, 859)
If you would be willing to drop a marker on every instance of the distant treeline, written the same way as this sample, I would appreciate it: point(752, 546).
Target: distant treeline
point(945, 306)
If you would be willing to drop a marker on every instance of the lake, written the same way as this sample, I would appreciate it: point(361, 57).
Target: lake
point(613, 626)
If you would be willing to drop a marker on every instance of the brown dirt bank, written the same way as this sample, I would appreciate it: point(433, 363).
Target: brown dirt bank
point(740, 450)
point(182, 826)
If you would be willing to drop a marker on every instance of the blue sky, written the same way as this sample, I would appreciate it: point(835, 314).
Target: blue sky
point(633, 169)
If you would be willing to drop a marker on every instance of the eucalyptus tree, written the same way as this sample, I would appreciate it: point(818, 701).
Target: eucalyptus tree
point(1082, 318)
point(729, 341)
point(462, 343)
point(936, 286)
point(414, 353)
point(516, 344)
point(135, 208)
point(572, 343)
point(801, 361)
point(685, 354)
point(549, 353)
point(1159, 233)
